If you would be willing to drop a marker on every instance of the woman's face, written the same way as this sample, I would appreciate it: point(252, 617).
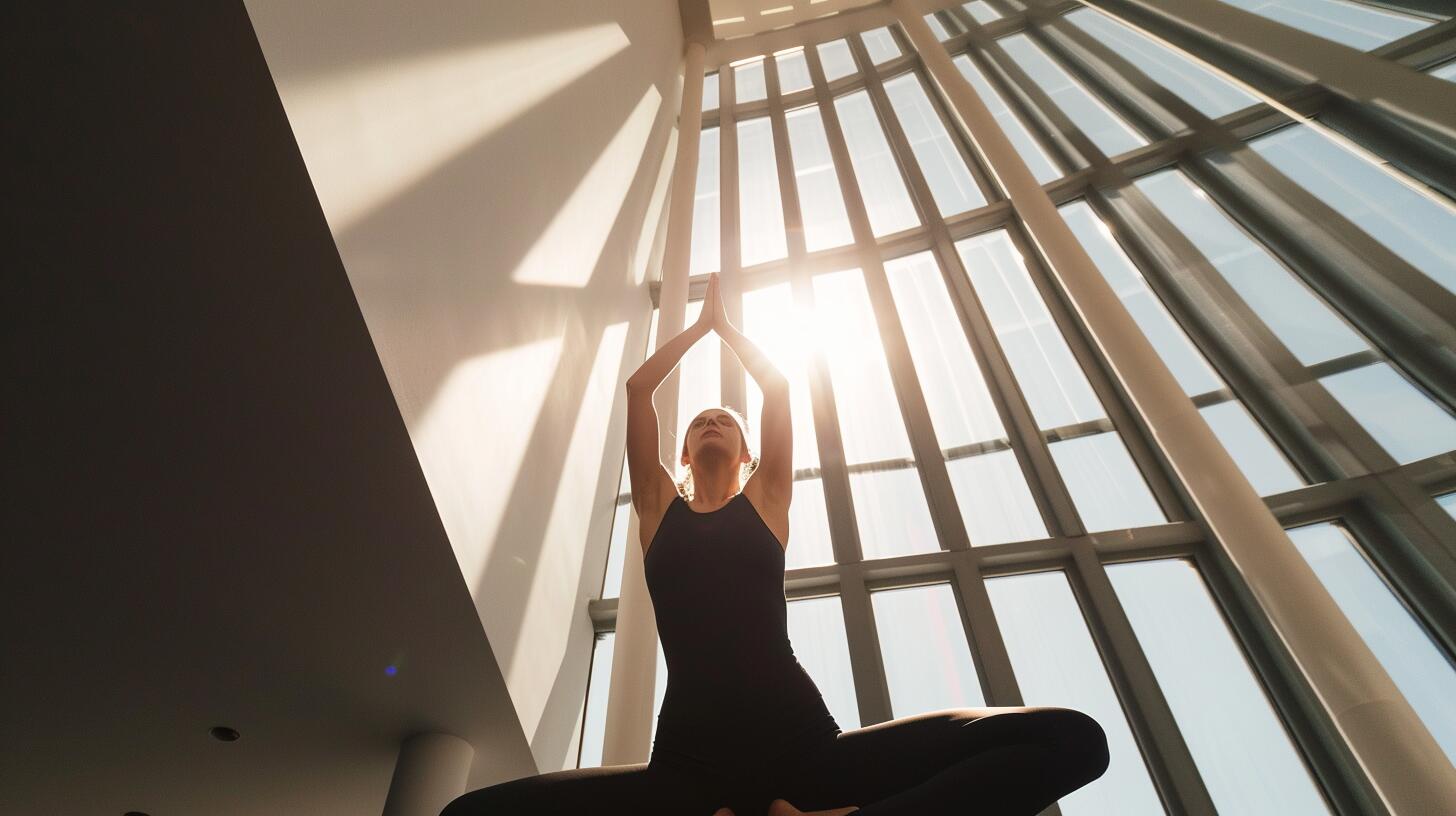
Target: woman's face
point(714, 432)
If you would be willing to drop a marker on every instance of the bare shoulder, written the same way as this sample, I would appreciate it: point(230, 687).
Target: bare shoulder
point(772, 507)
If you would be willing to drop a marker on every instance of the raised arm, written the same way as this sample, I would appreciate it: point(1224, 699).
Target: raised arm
point(652, 485)
point(775, 473)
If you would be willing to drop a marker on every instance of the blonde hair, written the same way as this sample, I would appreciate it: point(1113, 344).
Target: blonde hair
point(746, 469)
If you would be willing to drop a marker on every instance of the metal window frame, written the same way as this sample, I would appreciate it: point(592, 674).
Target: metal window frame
point(1393, 502)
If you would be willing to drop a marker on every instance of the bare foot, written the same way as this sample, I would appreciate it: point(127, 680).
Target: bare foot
point(723, 812)
point(781, 808)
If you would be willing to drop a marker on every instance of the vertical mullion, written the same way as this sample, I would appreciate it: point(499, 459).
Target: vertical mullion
point(1418, 561)
point(1069, 145)
point(1259, 354)
point(1229, 350)
point(731, 374)
point(1169, 761)
point(844, 532)
point(930, 459)
point(1155, 471)
point(1295, 701)
point(1015, 412)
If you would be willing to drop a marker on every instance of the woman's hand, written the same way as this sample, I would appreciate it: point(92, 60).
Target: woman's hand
point(714, 310)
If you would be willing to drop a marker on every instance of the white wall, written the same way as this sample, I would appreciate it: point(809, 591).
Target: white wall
point(494, 175)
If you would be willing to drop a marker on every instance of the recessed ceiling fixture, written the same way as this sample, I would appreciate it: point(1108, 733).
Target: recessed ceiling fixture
point(727, 20)
point(779, 10)
point(222, 733)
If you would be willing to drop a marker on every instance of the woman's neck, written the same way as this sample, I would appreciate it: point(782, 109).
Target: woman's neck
point(714, 489)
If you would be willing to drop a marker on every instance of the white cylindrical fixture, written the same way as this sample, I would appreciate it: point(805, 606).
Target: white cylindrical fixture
point(628, 730)
point(430, 772)
point(1402, 759)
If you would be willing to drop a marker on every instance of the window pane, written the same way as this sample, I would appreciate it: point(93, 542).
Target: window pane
point(837, 60)
point(820, 201)
point(699, 373)
point(1296, 315)
point(1210, 93)
point(760, 207)
point(925, 650)
point(793, 71)
point(1057, 664)
point(891, 514)
point(885, 197)
point(1111, 135)
point(982, 12)
point(705, 207)
point(945, 171)
point(749, 82)
point(1448, 503)
point(710, 92)
point(816, 632)
point(996, 504)
point(594, 719)
point(1036, 159)
point(1054, 385)
point(776, 325)
point(1413, 226)
point(869, 413)
point(1407, 423)
point(1105, 484)
point(1446, 72)
point(1354, 24)
point(1245, 757)
point(1261, 462)
point(881, 45)
point(1416, 664)
point(961, 410)
point(1167, 337)
point(994, 499)
point(809, 544)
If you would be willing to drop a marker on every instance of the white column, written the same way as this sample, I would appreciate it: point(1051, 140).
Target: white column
point(628, 737)
point(1403, 761)
point(430, 772)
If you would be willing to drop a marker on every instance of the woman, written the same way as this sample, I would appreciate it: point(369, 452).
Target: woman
point(743, 729)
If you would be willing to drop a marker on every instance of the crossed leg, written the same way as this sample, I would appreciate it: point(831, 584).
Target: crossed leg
point(1009, 760)
point(641, 789)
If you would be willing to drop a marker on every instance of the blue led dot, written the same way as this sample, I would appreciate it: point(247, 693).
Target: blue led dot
point(391, 670)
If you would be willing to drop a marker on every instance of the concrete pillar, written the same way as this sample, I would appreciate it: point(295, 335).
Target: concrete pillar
point(1404, 763)
point(430, 772)
point(629, 726)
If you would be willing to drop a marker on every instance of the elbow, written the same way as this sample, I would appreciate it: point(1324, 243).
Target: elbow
point(778, 386)
point(635, 386)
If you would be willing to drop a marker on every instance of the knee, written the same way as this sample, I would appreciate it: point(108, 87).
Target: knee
point(1082, 744)
point(482, 802)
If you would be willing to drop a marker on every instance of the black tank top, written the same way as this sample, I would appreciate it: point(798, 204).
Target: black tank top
point(733, 682)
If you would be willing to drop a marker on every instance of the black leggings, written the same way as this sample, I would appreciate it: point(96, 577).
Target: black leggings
point(964, 761)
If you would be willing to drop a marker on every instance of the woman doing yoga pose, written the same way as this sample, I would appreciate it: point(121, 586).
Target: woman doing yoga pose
point(743, 730)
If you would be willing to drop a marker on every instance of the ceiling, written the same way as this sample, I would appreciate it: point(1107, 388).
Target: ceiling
point(741, 18)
